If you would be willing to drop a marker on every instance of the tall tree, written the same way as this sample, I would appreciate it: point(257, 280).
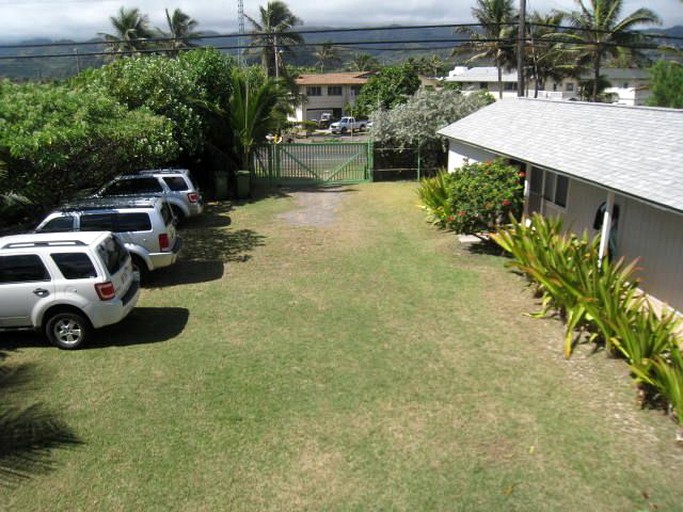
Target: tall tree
point(667, 84)
point(495, 40)
point(544, 59)
point(326, 55)
point(600, 33)
point(363, 62)
point(131, 32)
point(181, 31)
point(272, 35)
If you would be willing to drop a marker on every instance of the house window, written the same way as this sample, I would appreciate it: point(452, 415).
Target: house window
point(509, 86)
point(483, 86)
point(314, 91)
point(355, 90)
point(569, 87)
point(556, 188)
point(334, 90)
point(624, 85)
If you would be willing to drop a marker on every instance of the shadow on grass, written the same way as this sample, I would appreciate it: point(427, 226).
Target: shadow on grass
point(486, 247)
point(142, 326)
point(28, 434)
point(220, 245)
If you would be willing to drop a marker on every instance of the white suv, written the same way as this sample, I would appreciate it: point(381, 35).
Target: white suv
point(145, 225)
point(65, 284)
point(175, 185)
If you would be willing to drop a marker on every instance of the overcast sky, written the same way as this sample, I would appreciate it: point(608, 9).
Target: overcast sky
point(83, 19)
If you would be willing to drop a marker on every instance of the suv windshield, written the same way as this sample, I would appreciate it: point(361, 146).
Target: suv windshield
point(113, 254)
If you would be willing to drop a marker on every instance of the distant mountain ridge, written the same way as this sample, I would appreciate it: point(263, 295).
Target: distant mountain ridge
point(381, 43)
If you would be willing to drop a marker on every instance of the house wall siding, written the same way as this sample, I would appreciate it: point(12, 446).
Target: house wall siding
point(644, 232)
point(654, 236)
point(458, 153)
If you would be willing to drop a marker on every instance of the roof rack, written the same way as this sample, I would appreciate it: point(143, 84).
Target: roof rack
point(44, 243)
point(162, 171)
point(109, 203)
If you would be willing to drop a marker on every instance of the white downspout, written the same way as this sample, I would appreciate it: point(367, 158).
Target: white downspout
point(606, 227)
point(527, 189)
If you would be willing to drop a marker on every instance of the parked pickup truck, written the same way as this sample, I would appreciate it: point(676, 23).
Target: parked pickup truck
point(348, 124)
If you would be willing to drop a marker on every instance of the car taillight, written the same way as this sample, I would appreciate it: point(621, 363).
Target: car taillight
point(105, 291)
point(193, 197)
point(163, 242)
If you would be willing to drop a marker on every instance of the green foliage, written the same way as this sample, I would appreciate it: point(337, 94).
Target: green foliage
point(480, 196)
point(392, 86)
point(433, 194)
point(600, 298)
point(61, 139)
point(417, 121)
point(667, 84)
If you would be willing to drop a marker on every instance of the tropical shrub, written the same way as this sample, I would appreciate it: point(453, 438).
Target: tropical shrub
point(433, 194)
point(475, 198)
point(600, 299)
point(483, 195)
point(60, 139)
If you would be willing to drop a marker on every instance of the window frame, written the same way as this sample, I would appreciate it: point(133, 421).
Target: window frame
point(314, 90)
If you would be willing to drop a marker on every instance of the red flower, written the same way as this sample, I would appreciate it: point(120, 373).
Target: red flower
point(450, 218)
point(506, 203)
point(462, 213)
point(522, 174)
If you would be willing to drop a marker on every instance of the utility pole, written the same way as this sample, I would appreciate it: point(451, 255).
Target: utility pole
point(277, 68)
point(520, 48)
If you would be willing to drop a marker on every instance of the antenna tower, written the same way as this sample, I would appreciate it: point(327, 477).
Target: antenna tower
point(240, 39)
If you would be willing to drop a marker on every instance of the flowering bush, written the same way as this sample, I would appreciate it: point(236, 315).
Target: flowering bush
point(475, 198)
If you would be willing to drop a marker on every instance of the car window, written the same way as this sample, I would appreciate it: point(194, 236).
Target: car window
point(97, 222)
point(133, 222)
point(175, 183)
point(113, 254)
point(22, 268)
point(74, 265)
point(166, 213)
point(63, 223)
point(133, 186)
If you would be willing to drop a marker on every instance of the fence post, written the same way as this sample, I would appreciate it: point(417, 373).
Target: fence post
point(371, 161)
point(419, 161)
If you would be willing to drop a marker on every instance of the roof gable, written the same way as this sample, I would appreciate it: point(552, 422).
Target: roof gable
point(634, 150)
point(355, 78)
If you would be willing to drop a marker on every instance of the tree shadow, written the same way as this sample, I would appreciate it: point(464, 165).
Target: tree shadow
point(28, 434)
point(220, 244)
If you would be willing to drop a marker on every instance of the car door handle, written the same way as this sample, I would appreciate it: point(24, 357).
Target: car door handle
point(41, 292)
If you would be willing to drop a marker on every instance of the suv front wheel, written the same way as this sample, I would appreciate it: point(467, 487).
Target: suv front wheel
point(68, 330)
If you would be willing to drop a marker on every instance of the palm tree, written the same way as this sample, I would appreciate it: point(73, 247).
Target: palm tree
point(363, 62)
point(326, 55)
point(271, 34)
point(544, 59)
point(599, 33)
point(181, 31)
point(131, 32)
point(495, 41)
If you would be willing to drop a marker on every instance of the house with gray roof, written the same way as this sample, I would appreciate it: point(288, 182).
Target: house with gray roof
point(599, 167)
point(628, 86)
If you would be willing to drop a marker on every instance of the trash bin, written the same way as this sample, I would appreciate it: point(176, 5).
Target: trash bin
point(221, 184)
point(243, 184)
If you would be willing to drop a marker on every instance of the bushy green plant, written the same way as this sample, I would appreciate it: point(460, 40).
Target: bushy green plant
point(433, 194)
point(600, 298)
point(483, 195)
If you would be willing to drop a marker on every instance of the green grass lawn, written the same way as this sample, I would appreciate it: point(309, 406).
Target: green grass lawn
point(356, 360)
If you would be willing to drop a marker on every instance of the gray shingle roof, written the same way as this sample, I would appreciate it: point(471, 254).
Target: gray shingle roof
point(634, 150)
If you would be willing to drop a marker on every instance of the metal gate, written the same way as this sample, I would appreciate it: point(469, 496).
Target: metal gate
point(333, 163)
